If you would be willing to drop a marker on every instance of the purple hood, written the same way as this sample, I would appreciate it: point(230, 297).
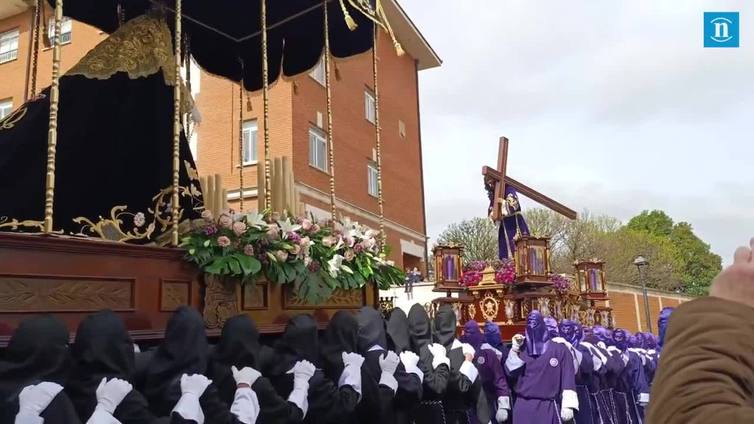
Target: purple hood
point(536, 334)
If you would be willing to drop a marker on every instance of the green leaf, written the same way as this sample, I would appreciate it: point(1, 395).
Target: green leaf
point(235, 266)
point(206, 243)
point(250, 265)
point(192, 251)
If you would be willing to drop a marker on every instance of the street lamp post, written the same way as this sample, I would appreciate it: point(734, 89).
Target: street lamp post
point(641, 264)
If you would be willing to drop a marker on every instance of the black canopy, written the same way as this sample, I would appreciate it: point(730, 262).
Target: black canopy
point(225, 39)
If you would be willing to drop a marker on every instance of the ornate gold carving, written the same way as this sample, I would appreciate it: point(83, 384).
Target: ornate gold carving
point(13, 224)
point(605, 318)
point(11, 120)
point(590, 317)
point(174, 294)
point(220, 300)
point(510, 305)
point(489, 306)
point(543, 305)
point(112, 229)
point(471, 309)
point(70, 294)
point(254, 296)
point(340, 298)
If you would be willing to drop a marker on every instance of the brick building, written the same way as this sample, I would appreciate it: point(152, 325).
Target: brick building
point(297, 124)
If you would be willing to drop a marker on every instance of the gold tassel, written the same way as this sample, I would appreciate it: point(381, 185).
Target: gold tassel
point(349, 20)
point(398, 48)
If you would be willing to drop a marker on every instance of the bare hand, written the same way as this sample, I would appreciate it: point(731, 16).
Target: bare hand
point(736, 283)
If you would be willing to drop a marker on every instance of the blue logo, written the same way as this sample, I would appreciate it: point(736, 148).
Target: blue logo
point(720, 29)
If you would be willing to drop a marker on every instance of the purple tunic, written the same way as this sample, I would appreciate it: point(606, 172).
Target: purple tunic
point(540, 383)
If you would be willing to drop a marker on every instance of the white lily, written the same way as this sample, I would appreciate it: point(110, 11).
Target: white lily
point(256, 220)
point(334, 265)
point(286, 226)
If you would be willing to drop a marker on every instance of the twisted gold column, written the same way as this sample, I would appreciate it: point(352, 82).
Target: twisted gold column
point(35, 47)
point(377, 137)
point(266, 107)
point(52, 131)
point(328, 90)
point(240, 144)
point(175, 203)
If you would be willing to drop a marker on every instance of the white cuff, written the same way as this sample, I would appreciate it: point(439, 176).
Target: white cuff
point(351, 377)
point(101, 416)
point(188, 408)
point(513, 362)
point(415, 370)
point(570, 399)
point(387, 379)
point(245, 405)
point(497, 352)
point(299, 396)
point(439, 360)
point(504, 402)
point(469, 370)
point(28, 418)
point(644, 397)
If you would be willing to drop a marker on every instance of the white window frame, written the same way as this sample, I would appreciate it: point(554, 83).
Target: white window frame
point(6, 108)
point(370, 107)
point(317, 149)
point(318, 72)
point(66, 27)
point(9, 45)
point(250, 130)
point(373, 187)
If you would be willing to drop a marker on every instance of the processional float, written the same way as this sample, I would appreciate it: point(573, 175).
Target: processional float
point(45, 270)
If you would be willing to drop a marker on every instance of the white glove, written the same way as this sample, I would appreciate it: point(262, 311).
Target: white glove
point(351, 375)
point(111, 393)
point(439, 356)
point(503, 405)
point(302, 372)
point(467, 349)
point(502, 415)
point(410, 362)
point(517, 342)
point(388, 364)
point(33, 400)
point(352, 360)
point(566, 414)
point(246, 375)
point(192, 388)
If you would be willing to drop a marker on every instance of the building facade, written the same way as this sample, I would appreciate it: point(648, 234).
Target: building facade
point(229, 139)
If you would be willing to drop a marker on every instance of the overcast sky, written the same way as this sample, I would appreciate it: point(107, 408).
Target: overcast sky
point(611, 106)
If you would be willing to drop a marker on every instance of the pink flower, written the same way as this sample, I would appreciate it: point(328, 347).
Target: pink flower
point(294, 237)
point(281, 255)
point(296, 250)
point(369, 243)
point(329, 241)
point(307, 224)
point(359, 248)
point(349, 255)
point(313, 266)
point(225, 221)
point(350, 241)
point(273, 232)
point(223, 241)
point(248, 250)
point(315, 228)
point(207, 215)
point(210, 229)
point(239, 228)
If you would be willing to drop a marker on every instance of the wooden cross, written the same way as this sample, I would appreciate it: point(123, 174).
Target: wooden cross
point(501, 179)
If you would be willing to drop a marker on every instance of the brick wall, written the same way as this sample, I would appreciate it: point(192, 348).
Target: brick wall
point(628, 305)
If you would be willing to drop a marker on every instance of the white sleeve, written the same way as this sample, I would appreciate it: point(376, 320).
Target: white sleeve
point(299, 395)
point(644, 397)
point(513, 362)
point(351, 377)
point(415, 370)
point(570, 399)
point(100, 416)
point(28, 419)
point(387, 379)
point(245, 405)
point(188, 408)
point(469, 370)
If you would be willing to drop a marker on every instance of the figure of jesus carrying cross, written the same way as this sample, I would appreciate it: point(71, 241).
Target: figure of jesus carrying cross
point(504, 205)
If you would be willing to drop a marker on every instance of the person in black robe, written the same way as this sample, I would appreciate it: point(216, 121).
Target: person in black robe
point(103, 349)
point(433, 363)
point(114, 163)
point(378, 372)
point(408, 374)
point(34, 370)
point(327, 401)
point(177, 364)
point(464, 389)
point(239, 347)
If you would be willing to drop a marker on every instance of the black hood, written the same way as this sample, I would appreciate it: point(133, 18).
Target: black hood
point(298, 341)
point(340, 336)
point(239, 343)
point(445, 326)
point(397, 331)
point(38, 351)
point(419, 329)
point(371, 329)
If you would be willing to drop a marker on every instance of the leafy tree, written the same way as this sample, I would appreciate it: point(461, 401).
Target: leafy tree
point(700, 265)
point(655, 222)
point(477, 235)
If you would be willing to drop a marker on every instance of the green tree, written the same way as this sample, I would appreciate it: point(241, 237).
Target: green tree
point(655, 222)
point(477, 235)
point(700, 265)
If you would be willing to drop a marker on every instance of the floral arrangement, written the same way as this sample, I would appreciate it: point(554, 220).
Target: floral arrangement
point(505, 272)
point(560, 283)
point(316, 259)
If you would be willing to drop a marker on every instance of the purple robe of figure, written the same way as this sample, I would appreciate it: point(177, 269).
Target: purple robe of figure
point(588, 409)
point(662, 325)
point(631, 383)
point(512, 223)
point(545, 376)
point(613, 367)
point(487, 361)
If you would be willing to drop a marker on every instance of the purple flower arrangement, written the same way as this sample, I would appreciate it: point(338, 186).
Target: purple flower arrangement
point(561, 283)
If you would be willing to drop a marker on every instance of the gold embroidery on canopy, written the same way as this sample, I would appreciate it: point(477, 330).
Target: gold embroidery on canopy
point(11, 120)
point(13, 224)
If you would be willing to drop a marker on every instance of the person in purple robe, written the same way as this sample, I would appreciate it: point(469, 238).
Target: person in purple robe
point(585, 383)
point(631, 384)
point(662, 325)
point(494, 340)
point(491, 374)
point(544, 375)
point(602, 339)
point(602, 411)
point(552, 327)
point(512, 222)
point(651, 346)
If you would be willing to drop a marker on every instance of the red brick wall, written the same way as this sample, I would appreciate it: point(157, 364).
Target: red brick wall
point(628, 306)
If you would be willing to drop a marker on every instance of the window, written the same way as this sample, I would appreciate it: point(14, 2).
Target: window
point(372, 183)
point(317, 150)
point(6, 107)
point(8, 46)
point(370, 111)
point(318, 73)
point(249, 142)
point(65, 31)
